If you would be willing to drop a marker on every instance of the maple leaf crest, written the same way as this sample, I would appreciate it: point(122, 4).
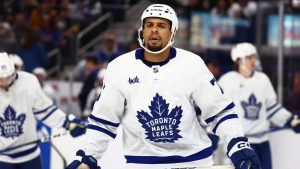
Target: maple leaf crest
point(161, 126)
point(251, 108)
point(10, 125)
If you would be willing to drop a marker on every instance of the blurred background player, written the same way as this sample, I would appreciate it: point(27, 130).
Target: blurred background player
point(22, 101)
point(94, 93)
point(41, 75)
point(18, 62)
point(90, 77)
point(256, 101)
point(156, 108)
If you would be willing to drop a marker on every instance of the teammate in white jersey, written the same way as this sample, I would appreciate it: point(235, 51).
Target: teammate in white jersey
point(152, 91)
point(22, 101)
point(256, 101)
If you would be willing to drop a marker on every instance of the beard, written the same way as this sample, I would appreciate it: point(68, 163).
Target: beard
point(154, 48)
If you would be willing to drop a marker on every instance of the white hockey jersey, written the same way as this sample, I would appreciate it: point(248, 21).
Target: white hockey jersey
point(256, 103)
point(20, 106)
point(155, 104)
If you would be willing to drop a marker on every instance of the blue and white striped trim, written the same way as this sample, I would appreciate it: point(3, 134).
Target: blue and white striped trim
point(44, 110)
point(210, 119)
point(271, 107)
point(102, 121)
point(22, 153)
point(49, 113)
point(207, 152)
point(102, 130)
point(227, 117)
point(272, 110)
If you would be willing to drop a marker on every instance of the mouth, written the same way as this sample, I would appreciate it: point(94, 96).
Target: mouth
point(154, 39)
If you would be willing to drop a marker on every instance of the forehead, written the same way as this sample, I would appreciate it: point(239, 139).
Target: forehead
point(251, 56)
point(156, 20)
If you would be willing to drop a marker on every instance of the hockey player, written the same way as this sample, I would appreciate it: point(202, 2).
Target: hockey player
point(152, 92)
point(22, 101)
point(256, 101)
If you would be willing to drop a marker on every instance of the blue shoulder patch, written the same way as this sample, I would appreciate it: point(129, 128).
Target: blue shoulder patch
point(161, 126)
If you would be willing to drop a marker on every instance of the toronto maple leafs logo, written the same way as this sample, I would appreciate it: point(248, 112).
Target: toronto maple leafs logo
point(161, 126)
point(251, 108)
point(10, 125)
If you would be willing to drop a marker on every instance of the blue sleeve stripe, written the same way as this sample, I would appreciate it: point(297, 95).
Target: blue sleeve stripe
point(44, 110)
point(97, 128)
point(230, 106)
point(210, 119)
point(51, 112)
point(227, 117)
point(22, 153)
point(271, 107)
point(102, 121)
point(207, 152)
point(272, 114)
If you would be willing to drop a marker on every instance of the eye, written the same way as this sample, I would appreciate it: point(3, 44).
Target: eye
point(148, 25)
point(162, 25)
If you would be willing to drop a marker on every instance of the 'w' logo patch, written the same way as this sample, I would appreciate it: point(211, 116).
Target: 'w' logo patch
point(161, 126)
point(134, 80)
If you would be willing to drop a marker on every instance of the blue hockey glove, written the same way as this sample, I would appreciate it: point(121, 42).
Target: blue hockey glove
point(294, 123)
point(76, 126)
point(242, 155)
point(87, 162)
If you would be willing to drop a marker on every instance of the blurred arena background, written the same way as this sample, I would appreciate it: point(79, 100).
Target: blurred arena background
point(73, 39)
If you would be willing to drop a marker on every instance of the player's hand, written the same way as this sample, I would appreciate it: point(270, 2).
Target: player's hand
point(76, 126)
point(87, 162)
point(295, 123)
point(242, 155)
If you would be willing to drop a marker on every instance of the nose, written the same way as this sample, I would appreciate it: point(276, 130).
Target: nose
point(154, 29)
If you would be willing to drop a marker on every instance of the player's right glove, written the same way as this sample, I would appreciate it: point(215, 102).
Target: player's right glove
point(87, 162)
point(77, 127)
point(242, 155)
point(294, 123)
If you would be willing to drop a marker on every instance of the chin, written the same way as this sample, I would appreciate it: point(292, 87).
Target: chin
point(155, 48)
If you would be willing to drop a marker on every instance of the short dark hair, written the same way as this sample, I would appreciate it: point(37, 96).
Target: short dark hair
point(91, 58)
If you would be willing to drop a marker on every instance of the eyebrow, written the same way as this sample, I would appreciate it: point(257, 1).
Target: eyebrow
point(164, 23)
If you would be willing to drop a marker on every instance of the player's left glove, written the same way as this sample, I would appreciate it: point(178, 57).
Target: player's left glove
point(76, 126)
point(294, 123)
point(87, 162)
point(242, 155)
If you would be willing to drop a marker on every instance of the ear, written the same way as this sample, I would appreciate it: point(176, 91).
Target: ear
point(141, 35)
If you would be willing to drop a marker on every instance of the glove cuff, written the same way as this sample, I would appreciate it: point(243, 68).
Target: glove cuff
point(88, 160)
point(237, 144)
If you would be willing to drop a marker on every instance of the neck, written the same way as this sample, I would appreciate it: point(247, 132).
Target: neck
point(160, 57)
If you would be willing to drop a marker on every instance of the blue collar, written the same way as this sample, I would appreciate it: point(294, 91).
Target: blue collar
point(139, 54)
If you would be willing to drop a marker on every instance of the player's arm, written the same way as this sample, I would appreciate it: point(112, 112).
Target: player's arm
point(103, 122)
point(219, 112)
point(276, 113)
point(46, 111)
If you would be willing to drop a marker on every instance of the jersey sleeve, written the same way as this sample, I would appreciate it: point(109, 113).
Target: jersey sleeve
point(105, 117)
point(44, 109)
point(217, 108)
point(275, 112)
